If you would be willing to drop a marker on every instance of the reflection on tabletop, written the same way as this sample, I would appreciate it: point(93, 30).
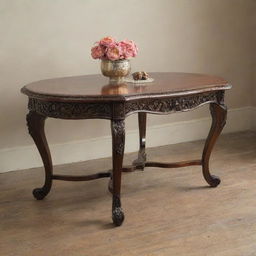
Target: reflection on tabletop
point(121, 89)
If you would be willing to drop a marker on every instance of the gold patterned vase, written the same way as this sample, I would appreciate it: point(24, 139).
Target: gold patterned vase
point(116, 70)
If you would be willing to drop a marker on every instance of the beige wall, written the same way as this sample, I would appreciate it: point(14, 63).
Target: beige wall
point(44, 39)
point(254, 57)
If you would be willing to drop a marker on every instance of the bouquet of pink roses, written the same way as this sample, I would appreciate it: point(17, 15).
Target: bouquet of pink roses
point(110, 49)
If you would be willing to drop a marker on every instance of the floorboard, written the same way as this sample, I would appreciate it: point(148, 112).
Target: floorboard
point(168, 211)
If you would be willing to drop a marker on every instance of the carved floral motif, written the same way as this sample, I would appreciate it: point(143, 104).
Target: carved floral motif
point(173, 104)
point(109, 110)
point(118, 132)
point(70, 110)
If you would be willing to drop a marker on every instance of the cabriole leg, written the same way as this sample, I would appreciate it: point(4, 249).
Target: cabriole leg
point(35, 123)
point(118, 141)
point(140, 162)
point(219, 115)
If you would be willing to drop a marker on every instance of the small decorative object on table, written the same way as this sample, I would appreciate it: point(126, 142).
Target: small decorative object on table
point(140, 77)
point(114, 57)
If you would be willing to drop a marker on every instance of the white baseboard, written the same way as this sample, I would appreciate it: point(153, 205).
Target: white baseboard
point(239, 119)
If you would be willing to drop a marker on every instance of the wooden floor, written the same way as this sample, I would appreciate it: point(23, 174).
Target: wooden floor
point(168, 211)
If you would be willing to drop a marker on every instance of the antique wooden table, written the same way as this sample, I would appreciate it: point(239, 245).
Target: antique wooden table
point(89, 97)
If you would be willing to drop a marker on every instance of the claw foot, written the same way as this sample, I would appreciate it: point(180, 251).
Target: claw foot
point(117, 212)
point(39, 193)
point(140, 161)
point(118, 216)
point(215, 181)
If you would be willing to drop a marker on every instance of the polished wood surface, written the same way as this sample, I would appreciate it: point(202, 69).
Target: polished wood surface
point(167, 212)
point(35, 125)
point(96, 87)
point(87, 97)
point(219, 117)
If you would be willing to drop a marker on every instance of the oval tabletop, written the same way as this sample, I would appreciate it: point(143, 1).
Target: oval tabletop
point(96, 87)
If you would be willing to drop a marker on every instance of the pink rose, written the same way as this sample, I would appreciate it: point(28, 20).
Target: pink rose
point(114, 52)
point(109, 48)
point(129, 49)
point(107, 41)
point(97, 52)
